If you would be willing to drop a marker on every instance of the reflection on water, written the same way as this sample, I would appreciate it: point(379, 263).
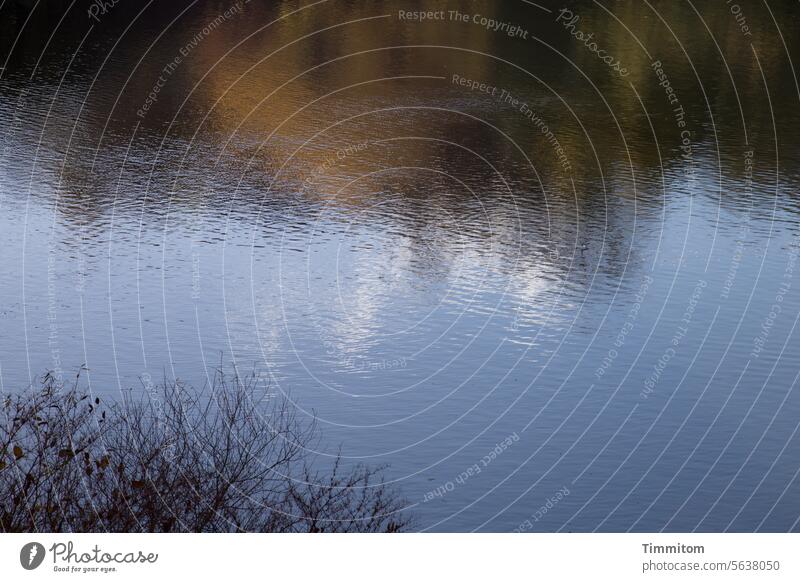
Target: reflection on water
point(436, 237)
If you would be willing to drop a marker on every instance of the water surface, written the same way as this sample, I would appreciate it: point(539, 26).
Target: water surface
point(549, 295)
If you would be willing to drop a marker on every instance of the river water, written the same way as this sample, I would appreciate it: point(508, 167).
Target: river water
point(544, 267)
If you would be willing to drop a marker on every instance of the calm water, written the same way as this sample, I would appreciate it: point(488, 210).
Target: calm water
point(551, 292)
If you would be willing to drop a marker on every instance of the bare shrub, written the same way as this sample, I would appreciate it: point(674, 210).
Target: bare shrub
point(232, 458)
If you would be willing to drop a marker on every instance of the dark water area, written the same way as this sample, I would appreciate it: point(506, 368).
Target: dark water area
point(549, 278)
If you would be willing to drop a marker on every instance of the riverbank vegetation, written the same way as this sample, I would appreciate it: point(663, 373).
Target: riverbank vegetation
point(233, 457)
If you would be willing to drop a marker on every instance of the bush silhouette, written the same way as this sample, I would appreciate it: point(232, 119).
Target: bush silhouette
point(231, 458)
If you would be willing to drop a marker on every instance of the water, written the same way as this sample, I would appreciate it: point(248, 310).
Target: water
point(565, 300)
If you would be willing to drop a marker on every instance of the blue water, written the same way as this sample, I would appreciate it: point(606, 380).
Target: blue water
point(542, 318)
